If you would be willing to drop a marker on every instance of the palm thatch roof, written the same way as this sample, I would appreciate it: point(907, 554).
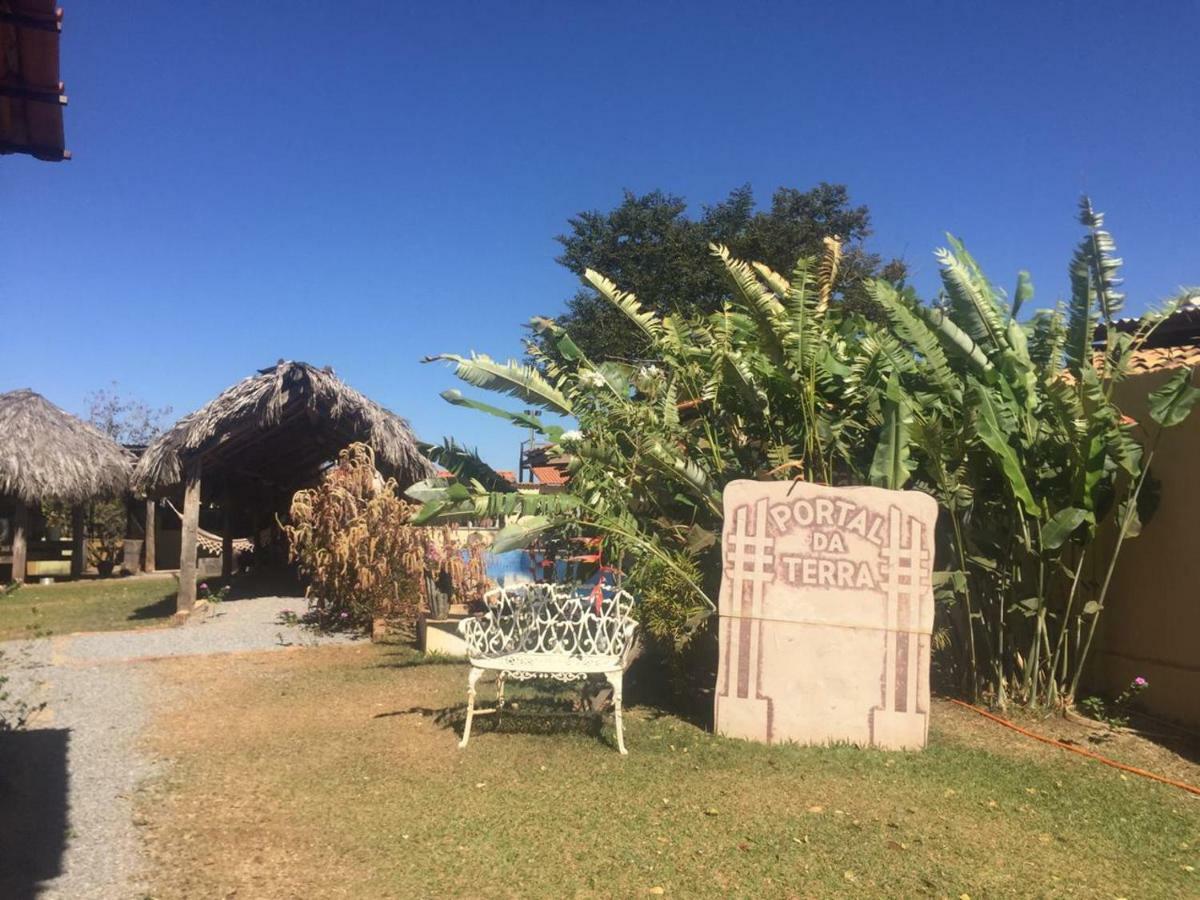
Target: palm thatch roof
point(48, 454)
point(279, 427)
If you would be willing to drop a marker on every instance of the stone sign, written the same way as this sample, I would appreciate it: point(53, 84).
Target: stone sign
point(826, 611)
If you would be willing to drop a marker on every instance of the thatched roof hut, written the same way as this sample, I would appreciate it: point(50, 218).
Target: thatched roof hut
point(48, 454)
point(253, 446)
point(280, 427)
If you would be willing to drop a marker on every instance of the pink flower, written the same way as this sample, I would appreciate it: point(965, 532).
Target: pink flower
point(1140, 682)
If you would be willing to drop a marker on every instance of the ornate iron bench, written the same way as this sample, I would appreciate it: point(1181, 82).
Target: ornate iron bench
point(550, 631)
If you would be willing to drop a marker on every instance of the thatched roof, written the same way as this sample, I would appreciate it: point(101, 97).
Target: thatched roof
point(48, 454)
point(279, 427)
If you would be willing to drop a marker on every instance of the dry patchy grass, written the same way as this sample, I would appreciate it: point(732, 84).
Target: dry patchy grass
point(333, 772)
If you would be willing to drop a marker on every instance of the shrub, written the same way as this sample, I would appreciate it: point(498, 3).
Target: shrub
point(355, 543)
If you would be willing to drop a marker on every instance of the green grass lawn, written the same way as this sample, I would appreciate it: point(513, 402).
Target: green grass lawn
point(334, 772)
point(90, 605)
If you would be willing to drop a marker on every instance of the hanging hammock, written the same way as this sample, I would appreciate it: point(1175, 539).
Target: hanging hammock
point(214, 543)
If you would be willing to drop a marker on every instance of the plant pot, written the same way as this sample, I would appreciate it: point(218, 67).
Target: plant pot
point(105, 567)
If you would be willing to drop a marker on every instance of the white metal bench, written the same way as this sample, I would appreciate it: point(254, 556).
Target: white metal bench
point(549, 631)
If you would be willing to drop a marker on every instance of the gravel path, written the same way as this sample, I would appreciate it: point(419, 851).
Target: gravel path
point(100, 688)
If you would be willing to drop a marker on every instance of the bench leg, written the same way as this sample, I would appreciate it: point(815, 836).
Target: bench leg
point(614, 678)
point(500, 690)
point(472, 680)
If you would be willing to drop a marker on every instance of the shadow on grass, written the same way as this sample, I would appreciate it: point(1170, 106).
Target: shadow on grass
point(410, 659)
point(258, 583)
point(33, 809)
point(159, 609)
point(539, 716)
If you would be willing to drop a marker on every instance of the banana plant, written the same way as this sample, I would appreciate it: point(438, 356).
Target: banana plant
point(653, 444)
point(1016, 432)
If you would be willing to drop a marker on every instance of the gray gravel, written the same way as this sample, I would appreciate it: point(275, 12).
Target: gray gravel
point(100, 688)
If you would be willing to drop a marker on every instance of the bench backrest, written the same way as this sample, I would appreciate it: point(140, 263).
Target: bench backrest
point(550, 618)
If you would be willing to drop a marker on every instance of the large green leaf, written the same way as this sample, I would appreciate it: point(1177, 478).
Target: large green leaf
point(1062, 525)
point(466, 464)
point(520, 534)
point(516, 379)
point(996, 440)
point(956, 340)
point(429, 489)
point(892, 465)
point(1174, 401)
point(523, 419)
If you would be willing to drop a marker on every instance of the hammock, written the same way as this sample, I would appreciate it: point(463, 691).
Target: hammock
point(214, 543)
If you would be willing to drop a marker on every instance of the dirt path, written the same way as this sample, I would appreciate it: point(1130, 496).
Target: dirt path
point(67, 826)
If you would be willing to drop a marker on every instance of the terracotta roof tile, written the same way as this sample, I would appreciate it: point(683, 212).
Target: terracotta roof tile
point(549, 475)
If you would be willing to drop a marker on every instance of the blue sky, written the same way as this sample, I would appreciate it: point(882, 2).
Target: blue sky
point(361, 184)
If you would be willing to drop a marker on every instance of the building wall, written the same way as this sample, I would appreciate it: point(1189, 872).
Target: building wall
point(1151, 626)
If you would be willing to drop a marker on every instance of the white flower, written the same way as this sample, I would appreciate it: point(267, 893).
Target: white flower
point(595, 379)
point(650, 371)
point(571, 437)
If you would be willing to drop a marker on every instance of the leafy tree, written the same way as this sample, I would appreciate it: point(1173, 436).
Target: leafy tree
point(125, 419)
point(650, 247)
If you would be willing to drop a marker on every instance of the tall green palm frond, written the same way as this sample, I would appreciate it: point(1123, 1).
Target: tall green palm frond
point(831, 259)
point(917, 333)
point(1081, 316)
point(522, 381)
point(1098, 247)
point(804, 315)
point(648, 322)
point(1047, 335)
point(956, 340)
point(973, 310)
point(759, 301)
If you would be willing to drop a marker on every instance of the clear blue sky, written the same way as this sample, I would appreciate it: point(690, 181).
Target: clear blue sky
point(360, 184)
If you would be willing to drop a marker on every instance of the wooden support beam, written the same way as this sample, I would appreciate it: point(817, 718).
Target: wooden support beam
point(78, 541)
point(227, 534)
point(148, 548)
point(20, 537)
point(188, 545)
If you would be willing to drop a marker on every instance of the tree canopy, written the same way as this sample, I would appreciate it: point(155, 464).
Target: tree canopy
point(649, 245)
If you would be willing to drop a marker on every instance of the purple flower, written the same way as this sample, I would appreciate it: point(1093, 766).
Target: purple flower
point(1140, 682)
point(344, 615)
point(204, 585)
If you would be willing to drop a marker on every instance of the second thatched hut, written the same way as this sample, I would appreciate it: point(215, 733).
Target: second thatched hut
point(47, 454)
point(258, 442)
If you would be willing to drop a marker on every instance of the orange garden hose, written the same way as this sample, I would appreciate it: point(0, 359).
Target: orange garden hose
point(1191, 789)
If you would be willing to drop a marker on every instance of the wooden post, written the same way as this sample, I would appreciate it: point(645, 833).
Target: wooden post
point(148, 547)
point(226, 534)
point(78, 541)
point(20, 535)
point(188, 546)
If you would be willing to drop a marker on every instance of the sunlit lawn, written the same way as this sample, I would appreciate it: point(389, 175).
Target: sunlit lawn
point(89, 605)
point(334, 772)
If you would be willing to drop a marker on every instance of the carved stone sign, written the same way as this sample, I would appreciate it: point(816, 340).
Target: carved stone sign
point(826, 611)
